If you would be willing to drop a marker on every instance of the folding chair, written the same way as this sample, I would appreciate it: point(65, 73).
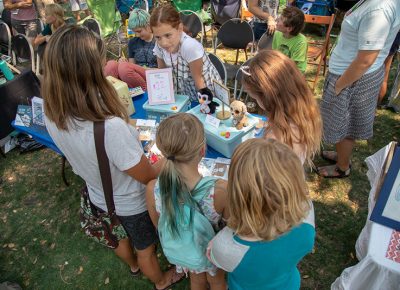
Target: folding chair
point(219, 65)
point(192, 23)
point(265, 41)
point(22, 49)
point(5, 38)
point(93, 25)
point(182, 5)
point(236, 34)
point(319, 49)
point(238, 80)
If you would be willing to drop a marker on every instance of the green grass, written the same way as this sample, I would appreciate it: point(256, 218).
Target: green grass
point(42, 247)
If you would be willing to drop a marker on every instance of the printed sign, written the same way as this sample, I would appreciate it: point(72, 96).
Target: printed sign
point(160, 86)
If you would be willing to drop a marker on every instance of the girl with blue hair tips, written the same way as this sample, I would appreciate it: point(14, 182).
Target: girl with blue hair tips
point(186, 207)
point(140, 53)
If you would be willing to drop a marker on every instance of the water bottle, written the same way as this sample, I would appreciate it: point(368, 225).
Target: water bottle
point(6, 71)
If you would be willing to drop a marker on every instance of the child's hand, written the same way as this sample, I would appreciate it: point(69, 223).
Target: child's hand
point(122, 59)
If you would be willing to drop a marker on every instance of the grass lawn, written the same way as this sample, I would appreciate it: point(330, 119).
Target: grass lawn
point(42, 247)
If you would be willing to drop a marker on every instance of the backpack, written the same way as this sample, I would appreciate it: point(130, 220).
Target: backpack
point(188, 250)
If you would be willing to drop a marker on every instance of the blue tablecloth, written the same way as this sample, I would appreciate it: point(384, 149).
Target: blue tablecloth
point(43, 137)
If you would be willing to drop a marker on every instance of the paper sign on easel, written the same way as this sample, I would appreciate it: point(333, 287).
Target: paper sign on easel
point(160, 86)
point(222, 93)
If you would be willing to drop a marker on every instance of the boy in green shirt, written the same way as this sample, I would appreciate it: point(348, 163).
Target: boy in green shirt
point(288, 39)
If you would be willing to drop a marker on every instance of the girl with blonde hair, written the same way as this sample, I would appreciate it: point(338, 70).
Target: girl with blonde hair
point(179, 185)
point(271, 223)
point(76, 95)
point(54, 15)
point(280, 89)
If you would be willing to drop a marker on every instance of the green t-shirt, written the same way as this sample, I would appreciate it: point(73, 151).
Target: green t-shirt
point(295, 48)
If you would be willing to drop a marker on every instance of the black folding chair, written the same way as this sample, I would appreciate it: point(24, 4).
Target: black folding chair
point(219, 65)
point(22, 50)
point(5, 38)
point(236, 34)
point(93, 25)
point(238, 88)
point(192, 22)
point(265, 42)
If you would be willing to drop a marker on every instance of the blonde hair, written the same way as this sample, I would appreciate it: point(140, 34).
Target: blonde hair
point(179, 138)
point(266, 189)
point(58, 12)
point(74, 86)
point(277, 83)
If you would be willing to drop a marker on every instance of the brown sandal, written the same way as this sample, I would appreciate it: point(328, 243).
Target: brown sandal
point(330, 156)
point(175, 278)
point(333, 171)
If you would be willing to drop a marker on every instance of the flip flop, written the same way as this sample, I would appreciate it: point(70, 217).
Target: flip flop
point(333, 171)
point(175, 279)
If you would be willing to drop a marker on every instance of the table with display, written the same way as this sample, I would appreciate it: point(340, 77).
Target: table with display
point(43, 137)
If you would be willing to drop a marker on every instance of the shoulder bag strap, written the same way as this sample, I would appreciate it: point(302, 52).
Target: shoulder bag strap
point(104, 165)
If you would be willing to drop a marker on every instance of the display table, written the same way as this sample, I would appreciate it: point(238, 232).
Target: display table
point(374, 271)
point(43, 137)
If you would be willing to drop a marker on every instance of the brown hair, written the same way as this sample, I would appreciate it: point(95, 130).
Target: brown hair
point(267, 191)
point(276, 82)
point(74, 86)
point(165, 14)
point(293, 17)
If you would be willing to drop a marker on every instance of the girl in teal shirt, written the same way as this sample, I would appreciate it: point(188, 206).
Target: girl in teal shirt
point(271, 223)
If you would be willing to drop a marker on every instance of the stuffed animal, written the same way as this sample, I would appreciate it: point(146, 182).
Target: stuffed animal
point(239, 110)
point(207, 105)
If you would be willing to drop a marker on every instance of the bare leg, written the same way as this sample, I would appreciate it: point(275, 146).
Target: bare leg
point(150, 267)
point(126, 254)
point(217, 282)
point(344, 149)
point(198, 281)
point(77, 15)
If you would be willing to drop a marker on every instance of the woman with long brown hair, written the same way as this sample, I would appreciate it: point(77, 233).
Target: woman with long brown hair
point(283, 93)
point(77, 94)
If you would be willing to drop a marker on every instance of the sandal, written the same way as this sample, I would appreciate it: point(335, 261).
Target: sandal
point(175, 278)
point(333, 171)
point(330, 156)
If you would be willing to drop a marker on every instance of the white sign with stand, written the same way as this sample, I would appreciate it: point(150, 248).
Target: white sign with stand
point(160, 86)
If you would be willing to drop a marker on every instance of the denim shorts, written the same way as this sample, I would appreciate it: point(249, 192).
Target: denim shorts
point(259, 29)
point(140, 229)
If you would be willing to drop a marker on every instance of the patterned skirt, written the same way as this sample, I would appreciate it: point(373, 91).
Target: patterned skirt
point(351, 113)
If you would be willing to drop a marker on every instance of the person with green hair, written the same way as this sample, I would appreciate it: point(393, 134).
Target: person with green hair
point(140, 53)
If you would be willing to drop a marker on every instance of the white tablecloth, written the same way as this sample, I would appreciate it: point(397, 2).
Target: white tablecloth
point(374, 271)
